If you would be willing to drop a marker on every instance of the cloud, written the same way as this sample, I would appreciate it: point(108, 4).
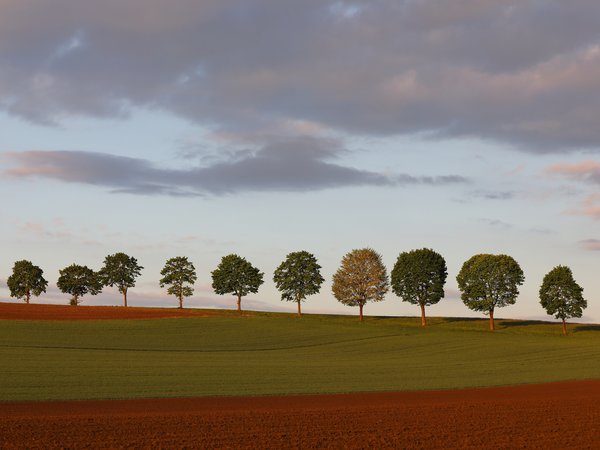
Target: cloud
point(55, 230)
point(590, 206)
point(541, 230)
point(41, 231)
point(496, 223)
point(586, 172)
point(523, 72)
point(583, 171)
point(494, 195)
point(590, 244)
point(293, 164)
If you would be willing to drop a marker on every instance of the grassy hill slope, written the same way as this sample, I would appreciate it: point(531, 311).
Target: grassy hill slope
point(279, 354)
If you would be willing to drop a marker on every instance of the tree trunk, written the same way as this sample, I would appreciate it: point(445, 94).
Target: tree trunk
point(239, 303)
point(492, 328)
point(564, 327)
point(423, 318)
point(180, 301)
point(27, 296)
point(299, 310)
point(361, 314)
point(125, 297)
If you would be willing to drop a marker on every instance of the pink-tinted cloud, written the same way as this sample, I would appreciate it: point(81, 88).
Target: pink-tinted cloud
point(587, 172)
point(56, 230)
point(42, 231)
point(589, 207)
point(583, 169)
point(590, 244)
point(515, 171)
point(34, 228)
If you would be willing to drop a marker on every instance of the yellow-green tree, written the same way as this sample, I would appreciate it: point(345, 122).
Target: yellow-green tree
point(361, 278)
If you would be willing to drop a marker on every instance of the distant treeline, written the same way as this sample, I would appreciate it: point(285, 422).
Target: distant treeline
point(418, 277)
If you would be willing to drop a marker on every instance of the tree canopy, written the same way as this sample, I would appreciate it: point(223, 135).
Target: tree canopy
point(298, 276)
point(78, 280)
point(418, 277)
point(26, 280)
point(120, 270)
point(489, 281)
point(235, 275)
point(178, 273)
point(361, 278)
point(561, 296)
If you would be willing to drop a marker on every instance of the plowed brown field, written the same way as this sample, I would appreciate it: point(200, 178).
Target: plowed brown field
point(557, 415)
point(21, 311)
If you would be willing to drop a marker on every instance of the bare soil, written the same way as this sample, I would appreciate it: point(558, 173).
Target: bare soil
point(556, 415)
point(22, 311)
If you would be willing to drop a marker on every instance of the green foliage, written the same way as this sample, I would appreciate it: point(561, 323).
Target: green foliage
point(78, 280)
point(41, 360)
point(26, 280)
point(489, 281)
point(560, 295)
point(298, 276)
point(120, 270)
point(418, 277)
point(361, 278)
point(178, 273)
point(235, 275)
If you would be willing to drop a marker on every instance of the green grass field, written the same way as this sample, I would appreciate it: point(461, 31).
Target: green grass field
point(279, 354)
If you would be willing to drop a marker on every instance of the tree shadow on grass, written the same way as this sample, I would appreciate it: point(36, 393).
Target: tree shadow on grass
point(463, 319)
point(440, 321)
point(520, 323)
point(436, 320)
point(389, 317)
point(579, 328)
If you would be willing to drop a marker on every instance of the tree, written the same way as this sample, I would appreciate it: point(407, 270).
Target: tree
point(488, 282)
point(78, 280)
point(235, 275)
point(120, 270)
point(418, 277)
point(178, 273)
point(561, 296)
point(298, 277)
point(361, 278)
point(26, 280)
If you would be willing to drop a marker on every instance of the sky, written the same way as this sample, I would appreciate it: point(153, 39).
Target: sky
point(261, 127)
